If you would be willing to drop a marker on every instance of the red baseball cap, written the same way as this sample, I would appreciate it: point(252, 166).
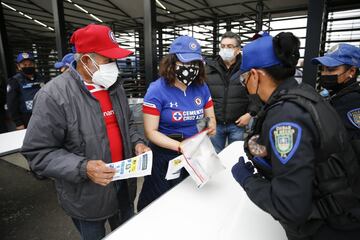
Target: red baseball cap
point(98, 39)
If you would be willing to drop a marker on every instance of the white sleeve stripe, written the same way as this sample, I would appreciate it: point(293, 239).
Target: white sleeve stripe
point(146, 104)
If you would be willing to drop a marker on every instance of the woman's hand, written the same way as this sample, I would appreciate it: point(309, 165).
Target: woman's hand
point(212, 127)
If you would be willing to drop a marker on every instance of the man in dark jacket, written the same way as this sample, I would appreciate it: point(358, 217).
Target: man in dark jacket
point(81, 121)
point(21, 89)
point(229, 97)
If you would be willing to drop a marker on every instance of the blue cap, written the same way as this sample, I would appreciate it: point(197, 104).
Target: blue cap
point(259, 54)
point(186, 48)
point(24, 56)
point(338, 55)
point(66, 61)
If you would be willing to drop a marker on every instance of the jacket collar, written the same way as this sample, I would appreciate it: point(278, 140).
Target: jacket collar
point(80, 81)
point(289, 83)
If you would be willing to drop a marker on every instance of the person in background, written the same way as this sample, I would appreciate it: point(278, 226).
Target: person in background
point(21, 89)
point(173, 105)
point(81, 122)
point(339, 72)
point(307, 174)
point(65, 62)
point(3, 115)
point(230, 98)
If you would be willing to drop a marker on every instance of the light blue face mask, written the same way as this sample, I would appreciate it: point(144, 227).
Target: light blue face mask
point(227, 54)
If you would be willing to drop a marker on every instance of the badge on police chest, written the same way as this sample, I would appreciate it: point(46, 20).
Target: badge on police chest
point(285, 138)
point(354, 117)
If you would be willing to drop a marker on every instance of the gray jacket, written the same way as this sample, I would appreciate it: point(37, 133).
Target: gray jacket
point(67, 129)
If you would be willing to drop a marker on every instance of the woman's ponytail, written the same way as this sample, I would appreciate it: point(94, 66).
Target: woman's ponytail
point(286, 46)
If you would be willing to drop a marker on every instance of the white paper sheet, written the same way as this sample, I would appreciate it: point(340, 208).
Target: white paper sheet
point(174, 167)
point(199, 159)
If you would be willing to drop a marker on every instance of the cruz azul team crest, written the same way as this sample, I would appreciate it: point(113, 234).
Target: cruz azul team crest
point(285, 138)
point(198, 101)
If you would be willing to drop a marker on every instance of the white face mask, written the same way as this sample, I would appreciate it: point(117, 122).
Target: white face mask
point(105, 75)
point(227, 54)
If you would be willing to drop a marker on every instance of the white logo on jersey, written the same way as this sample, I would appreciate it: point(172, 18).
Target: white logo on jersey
point(108, 113)
point(173, 104)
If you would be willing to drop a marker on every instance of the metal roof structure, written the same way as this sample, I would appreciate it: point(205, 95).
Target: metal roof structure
point(21, 21)
point(45, 26)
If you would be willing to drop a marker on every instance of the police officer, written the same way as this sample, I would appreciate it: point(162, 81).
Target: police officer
point(21, 89)
point(340, 68)
point(65, 62)
point(307, 175)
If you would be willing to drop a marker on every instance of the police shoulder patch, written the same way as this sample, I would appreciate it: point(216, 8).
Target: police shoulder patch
point(354, 117)
point(285, 139)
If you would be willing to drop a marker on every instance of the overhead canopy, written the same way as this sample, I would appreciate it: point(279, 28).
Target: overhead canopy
point(33, 19)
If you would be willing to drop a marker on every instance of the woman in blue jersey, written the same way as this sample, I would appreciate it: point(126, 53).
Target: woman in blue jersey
point(172, 106)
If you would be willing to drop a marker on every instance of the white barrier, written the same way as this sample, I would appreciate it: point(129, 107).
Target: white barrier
point(11, 142)
point(220, 210)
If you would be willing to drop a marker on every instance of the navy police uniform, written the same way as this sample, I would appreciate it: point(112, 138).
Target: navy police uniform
point(289, 157)
point(20, 94)
point(346, 101)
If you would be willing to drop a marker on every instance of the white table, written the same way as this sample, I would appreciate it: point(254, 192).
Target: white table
point(220, 210)
point(11, 142)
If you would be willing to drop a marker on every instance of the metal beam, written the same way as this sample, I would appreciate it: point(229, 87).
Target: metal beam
point(316, 14)
point(5, 56)
point(259, 15)
point(150, 40)
point(215, 37)
point(59, 24)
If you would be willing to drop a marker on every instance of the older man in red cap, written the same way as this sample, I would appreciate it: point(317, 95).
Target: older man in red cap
point(81, 121)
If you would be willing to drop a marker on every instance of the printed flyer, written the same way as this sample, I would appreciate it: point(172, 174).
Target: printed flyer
point(137, 166)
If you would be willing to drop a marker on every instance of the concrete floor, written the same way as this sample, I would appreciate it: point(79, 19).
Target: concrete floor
point(29, 208)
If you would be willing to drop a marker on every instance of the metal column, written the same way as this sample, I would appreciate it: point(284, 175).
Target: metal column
point(59, 23)
point(316, 13)
point(259, 15)
point(150, 41)
point(5, 55)
point(215, 37)
point(160, 40)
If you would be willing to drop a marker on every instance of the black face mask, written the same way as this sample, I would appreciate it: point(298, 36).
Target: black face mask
point(329, 82)
point(28, 70)
point(186, 73)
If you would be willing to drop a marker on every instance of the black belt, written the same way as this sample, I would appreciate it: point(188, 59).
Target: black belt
point(176, 136)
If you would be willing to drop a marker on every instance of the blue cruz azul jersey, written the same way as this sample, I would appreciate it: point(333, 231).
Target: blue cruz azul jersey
point(179, 111)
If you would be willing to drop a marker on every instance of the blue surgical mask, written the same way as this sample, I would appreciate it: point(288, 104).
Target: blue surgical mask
point(227, 54)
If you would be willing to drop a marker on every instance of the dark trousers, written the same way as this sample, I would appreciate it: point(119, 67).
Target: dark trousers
point(155, 184)
point(94, 230)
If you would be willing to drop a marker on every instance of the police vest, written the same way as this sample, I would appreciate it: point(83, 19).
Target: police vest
point(355, 87)
point(28, 90)
point(337, 171)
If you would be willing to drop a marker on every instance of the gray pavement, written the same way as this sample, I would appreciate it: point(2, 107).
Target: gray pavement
point(29, 208)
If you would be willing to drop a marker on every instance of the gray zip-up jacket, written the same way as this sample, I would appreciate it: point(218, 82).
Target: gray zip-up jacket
point(67, 129)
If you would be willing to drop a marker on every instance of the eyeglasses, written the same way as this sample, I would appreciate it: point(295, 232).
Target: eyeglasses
point(244, 77)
